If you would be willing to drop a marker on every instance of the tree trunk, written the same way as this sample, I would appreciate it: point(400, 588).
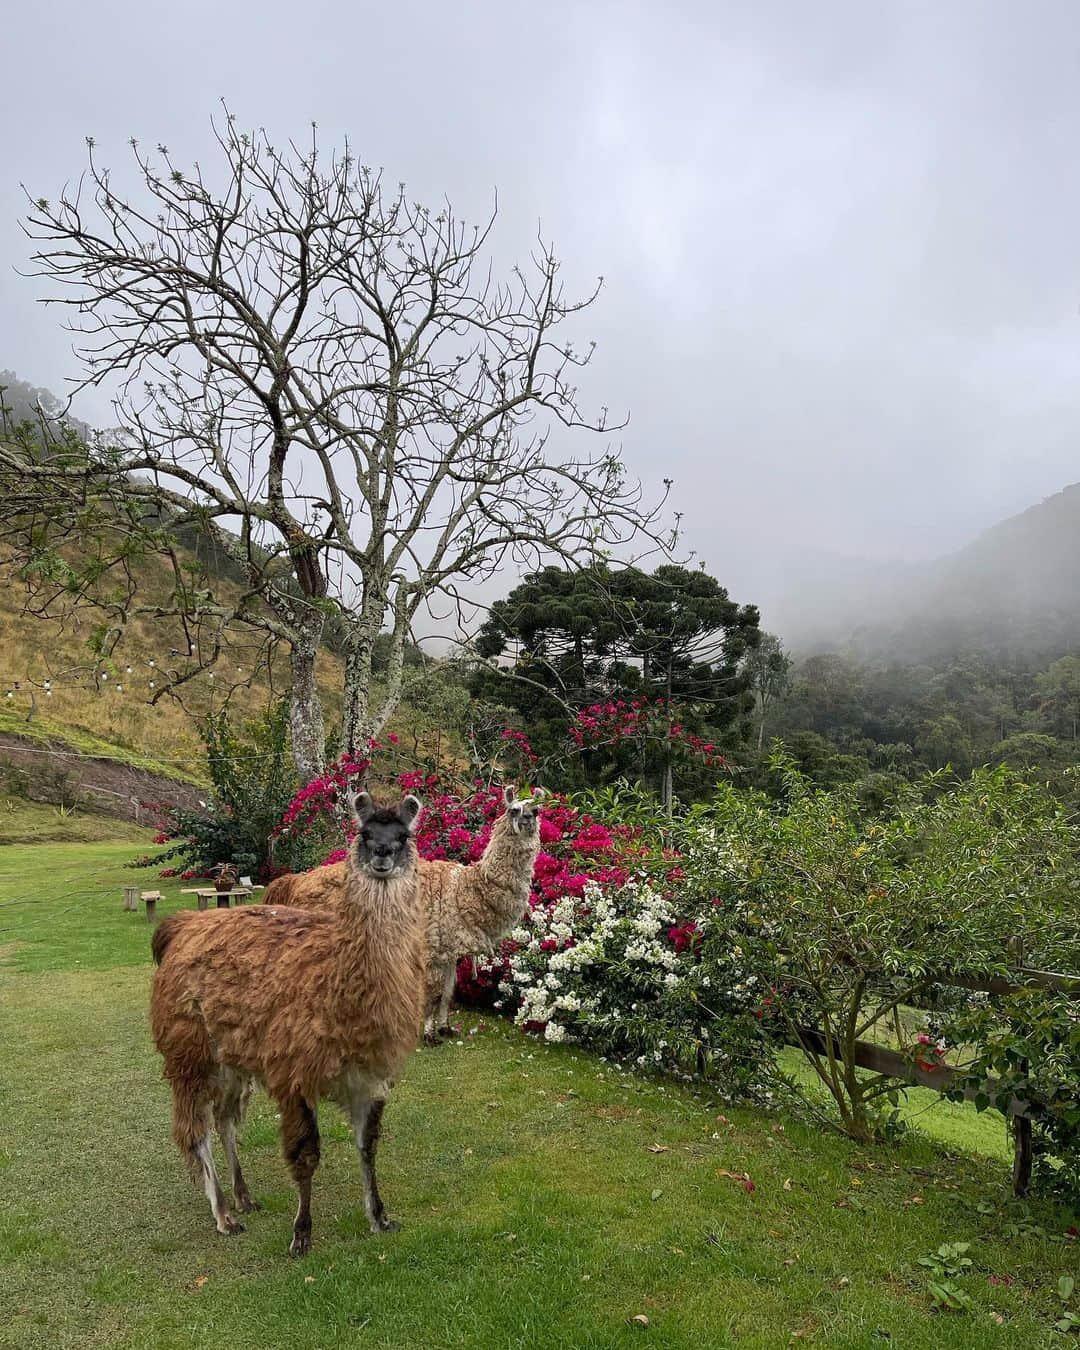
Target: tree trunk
point(395, 667)
point(354, 713)
point(667, 788)
point(358, 725)
point(305, 707)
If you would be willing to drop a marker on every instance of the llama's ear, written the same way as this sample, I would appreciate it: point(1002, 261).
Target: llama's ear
point(361, 805)
point(509, 793)
point(409, 810)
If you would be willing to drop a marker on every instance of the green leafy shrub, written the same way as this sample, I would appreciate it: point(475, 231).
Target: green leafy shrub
point(1028, 1044)
point(840, 918)
point(253, 779)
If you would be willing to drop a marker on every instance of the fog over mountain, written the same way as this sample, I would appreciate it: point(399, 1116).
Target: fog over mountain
point(1012, 592)
point(840, 242)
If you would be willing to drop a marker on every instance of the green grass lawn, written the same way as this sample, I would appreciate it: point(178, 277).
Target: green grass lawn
point(546, 1199)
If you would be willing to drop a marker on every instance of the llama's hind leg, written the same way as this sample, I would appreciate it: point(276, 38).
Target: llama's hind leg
point(191, 1130)
point(366, 1116)
point(300, 1141)
point(234, 1091)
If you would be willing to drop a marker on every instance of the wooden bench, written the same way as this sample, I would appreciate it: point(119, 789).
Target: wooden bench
point(222, 899)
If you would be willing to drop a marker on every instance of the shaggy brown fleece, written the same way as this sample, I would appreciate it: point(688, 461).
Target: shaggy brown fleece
point(310, 1003)
point(468, 909)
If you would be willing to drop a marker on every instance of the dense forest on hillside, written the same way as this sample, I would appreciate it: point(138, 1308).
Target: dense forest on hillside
point(846, 719)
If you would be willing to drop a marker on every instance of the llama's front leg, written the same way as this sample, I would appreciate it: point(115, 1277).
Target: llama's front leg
point(366, 1115)
point(300, 1142)
point(446, 995)
point(435, 985)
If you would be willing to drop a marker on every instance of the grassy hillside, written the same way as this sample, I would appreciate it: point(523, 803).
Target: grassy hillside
point(23, 822)
point(113, 716)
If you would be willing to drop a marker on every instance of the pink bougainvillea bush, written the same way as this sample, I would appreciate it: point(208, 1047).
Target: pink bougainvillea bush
point(608, 953)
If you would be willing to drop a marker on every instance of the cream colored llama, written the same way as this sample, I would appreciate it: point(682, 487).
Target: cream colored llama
point(474, 908)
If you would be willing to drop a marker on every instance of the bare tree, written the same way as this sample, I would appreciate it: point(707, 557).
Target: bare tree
point(325, 373)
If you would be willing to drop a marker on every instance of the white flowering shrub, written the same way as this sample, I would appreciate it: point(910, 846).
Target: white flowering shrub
point(619, 970)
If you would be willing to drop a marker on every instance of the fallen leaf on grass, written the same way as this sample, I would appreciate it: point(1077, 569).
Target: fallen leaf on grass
point(743, 1178)
point(787, 1183)
point(659, 1148)
point(309, 1279)
point(843, 1282)
point(200, 1280)
point(915, 1200)
point(656, 1194)
point(640, 1319)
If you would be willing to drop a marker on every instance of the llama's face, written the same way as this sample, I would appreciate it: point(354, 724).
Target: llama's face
point(524, 812)
point(384, 836)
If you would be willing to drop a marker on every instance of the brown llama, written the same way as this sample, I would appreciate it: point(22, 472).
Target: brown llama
point(312, 1004)
point(468, 909)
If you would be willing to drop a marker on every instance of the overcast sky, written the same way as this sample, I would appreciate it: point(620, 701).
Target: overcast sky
point(840, 241)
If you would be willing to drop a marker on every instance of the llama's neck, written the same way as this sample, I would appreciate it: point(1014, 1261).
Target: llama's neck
point(378, 916)
point(508, 861)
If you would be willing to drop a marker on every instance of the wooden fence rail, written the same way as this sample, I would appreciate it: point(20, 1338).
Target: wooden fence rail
point(881, 1059)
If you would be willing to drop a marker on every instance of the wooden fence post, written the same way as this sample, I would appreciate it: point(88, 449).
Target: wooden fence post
point(1022, 1146)
point(131, 898)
